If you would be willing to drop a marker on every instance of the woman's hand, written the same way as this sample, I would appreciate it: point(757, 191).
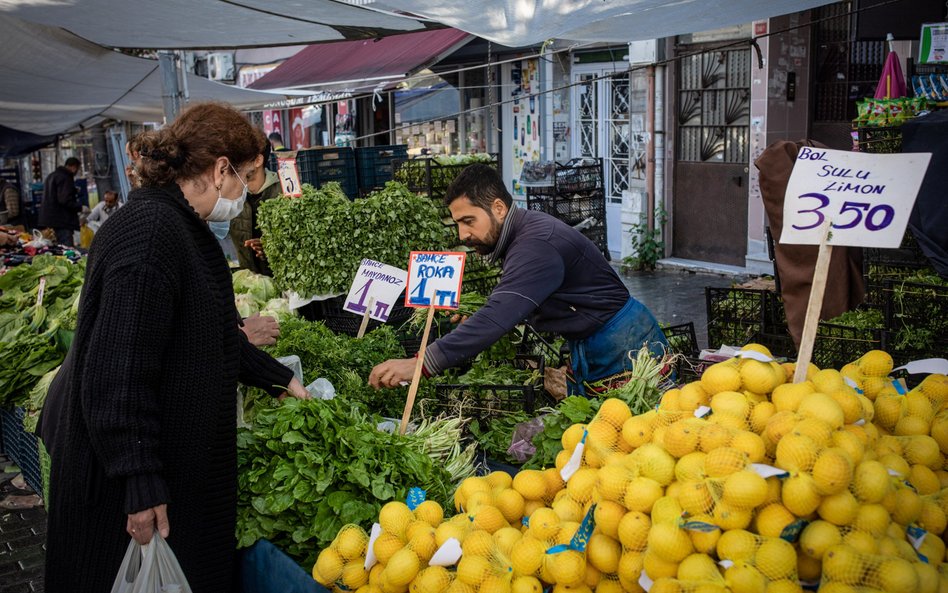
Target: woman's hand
point(295, 389)
point(141, 525)
point(256, 246)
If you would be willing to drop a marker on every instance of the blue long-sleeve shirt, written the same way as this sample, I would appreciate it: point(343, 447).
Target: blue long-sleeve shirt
point(553, 277)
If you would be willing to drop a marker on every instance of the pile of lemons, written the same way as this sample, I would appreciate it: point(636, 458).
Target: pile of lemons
point(740, 482)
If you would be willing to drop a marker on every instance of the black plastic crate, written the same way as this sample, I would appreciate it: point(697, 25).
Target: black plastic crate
point(376, 164)
point(682, 338)
point(21, 447)
point(904, 349)
point(578, 175)
point(880, 140)
point(343, 322)
point(480, 275)
point(916, 319)
point(487, 402)
point(318, 166)
point(428, 176)
point(838, 345)
point(551, 347)
point(574, 210)
point(690, 368)
point(775, 314)
point(780, 344)
point(735, 315)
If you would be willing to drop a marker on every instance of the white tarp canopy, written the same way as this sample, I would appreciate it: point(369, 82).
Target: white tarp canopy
point(205, 23)
point(54, 81)
point(525, 22)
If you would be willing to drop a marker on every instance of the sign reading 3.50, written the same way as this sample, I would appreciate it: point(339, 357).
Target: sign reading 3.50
point(865, 198)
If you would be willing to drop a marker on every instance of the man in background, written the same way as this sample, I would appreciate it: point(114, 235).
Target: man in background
point(276, 142)
point(10, 198)
point(262, 185)
point(60, 208)
point(103, 210)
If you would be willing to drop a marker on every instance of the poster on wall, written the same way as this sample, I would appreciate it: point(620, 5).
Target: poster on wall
point(271, 122)
point(299, 137)
point(525, 76)
point(933, 48)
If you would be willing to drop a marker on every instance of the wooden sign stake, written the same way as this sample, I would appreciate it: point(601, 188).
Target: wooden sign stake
point(814, 306)
point(419, 364)
point(365, 318)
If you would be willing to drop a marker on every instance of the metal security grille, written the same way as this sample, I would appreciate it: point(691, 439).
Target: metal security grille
point(844, 69)
point(617, 159)
point(714, 106)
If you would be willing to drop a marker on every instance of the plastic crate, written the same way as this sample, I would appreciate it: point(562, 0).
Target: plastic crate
point(376, 164)
point(428, 176)
point(318, 166)
point(10, 432)
point(780, 344)
point(682, 338)
point(916, 320)
point(838, 345)
point(21, 447)
point(690, 368)
point(487, 402)
point(544, 344)
point(480, 276)
point(880, 140)
point(578, 175)
point(735, 315)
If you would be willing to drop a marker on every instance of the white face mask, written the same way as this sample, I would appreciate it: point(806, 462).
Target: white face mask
point(227, 209)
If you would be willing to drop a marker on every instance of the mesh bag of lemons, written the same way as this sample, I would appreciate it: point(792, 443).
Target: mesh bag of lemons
point(741, 482)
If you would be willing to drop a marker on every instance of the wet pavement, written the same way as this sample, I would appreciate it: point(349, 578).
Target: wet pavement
point(677, 296)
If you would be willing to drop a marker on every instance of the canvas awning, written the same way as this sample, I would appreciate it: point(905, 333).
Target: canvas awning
point(55, 82)
point(203, 24)
point(348, 64)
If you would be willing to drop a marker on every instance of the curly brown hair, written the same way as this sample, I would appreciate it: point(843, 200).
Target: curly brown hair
point(189, 146)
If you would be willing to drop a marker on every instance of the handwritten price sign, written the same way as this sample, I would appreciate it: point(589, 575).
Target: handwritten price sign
point(376, 288)
point(866, 198)
point(434, 279)
point(289, 176)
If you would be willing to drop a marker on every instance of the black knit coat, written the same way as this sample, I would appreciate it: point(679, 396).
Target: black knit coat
point(146, 410)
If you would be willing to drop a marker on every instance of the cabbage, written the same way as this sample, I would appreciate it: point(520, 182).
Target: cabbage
point(279, 309)
point(247, 305)
point(261, 287)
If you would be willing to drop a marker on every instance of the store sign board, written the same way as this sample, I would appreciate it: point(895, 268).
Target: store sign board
point(289, 176)
point(865, 198)
point(933, 48)
point(375, 288)
point(434, 279)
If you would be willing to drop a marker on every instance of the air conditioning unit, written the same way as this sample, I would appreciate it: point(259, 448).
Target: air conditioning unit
point(220, 66)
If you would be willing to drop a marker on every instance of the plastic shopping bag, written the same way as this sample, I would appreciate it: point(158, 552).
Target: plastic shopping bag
point(151, 568)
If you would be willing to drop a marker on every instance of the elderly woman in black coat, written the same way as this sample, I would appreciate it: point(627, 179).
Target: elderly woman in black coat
point(141, 421)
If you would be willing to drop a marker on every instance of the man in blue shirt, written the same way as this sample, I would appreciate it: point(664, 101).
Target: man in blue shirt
point(553, 276)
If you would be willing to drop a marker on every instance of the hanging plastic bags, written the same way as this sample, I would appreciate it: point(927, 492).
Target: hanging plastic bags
point(151, 568)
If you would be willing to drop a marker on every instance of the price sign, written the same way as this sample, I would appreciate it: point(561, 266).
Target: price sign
point(375, 289)
point(289, 176)
point(865, 198)
point(434, 279)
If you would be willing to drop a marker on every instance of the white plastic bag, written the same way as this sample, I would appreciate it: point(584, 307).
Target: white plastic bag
point(151, 568)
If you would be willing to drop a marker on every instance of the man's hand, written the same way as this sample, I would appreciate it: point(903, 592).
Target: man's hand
point(295, 389)
point(392, 373)
point(141, 525)
point(256, 246)
point(261, 331)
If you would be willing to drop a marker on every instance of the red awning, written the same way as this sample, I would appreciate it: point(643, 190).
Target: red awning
point(347, 64)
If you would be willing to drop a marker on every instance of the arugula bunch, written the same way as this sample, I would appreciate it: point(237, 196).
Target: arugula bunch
point(572, 410)
point(314, 243)
point(309, 467)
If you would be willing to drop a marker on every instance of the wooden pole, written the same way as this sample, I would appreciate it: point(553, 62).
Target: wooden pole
point(814, 306)
point(365, 318)
point(419, 364)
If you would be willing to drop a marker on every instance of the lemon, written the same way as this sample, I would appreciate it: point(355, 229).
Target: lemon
point(808, 569)
point(544, 523)
point(527, 556)
point(799, 495)
point(772, 519)
point(395, 517)
point(402, 567)
point(932, 519)
point(787, 397)
point(871, 481)
point(656, 567)
point(888, 410)
point(722, 376)
point(832, 472)
point(759, 377)
point(572, 436)
point(554, 482)
point(431, 579)
point(839, 509)
point(507, 538)
point(743, 578)
point(495, 584)
point(530, 484)
point(489, 518)
point(654, 462)
point(908, 506)
point(924, 479)
point(823, 407)
point(724, 462)
point(526, 584)
point(796, 453)
point(472, 570)
point(896, 574)
point(750, 444)
point(779, 425)
point(821, 432)
point(861, 541)
point(424, 545)
point(569, 568)
point(642, 494)
point(386, 545)
point(705, 542)
point(784, 586)
point(850, 443)
point(633, 530)
point(431, 512)
point(568, 509)
point(727, 517)
point(614, 411)
point(498, 479)
point(630, 569)
point(603, 553)
point(737, 545)
point(776, 559)
point(608, 515)
point(690, 467)
point(744, 490)
point(669, 542)
point(873, 519)
point(923, 450)
point(610, 584)
point(843, 564)
point(636, 431)
point(875, 363)
point(350, 542)
point(667, 510)
point(682, 437)
point(329, 566)
point(695, 498)
point(730, 402)
point(760, 414)
point(818, 537)
point(446, 531)
point(698, 567)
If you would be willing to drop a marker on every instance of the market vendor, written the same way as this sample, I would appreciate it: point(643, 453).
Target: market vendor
point(553, 276)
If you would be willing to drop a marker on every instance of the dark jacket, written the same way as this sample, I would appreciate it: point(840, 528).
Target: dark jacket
point(144, 411)
point(554, 277)
point(244, 227)
point(60, 209)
